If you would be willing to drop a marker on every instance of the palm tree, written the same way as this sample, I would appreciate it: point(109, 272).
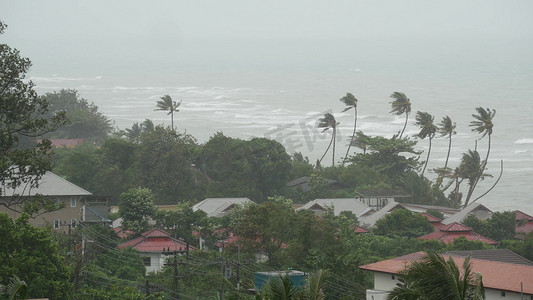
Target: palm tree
point(134, 133)
point(471, 169)
point(167, 104)
point(279, 288)
point(434, 277)
point(327, 122)
point(401, 105)
point(147, 125)
point(16, 289)
point(314, 287)
point(427, 130)
point(351, 102)
point(361, 141)
point(447, 128)
point(482, 124)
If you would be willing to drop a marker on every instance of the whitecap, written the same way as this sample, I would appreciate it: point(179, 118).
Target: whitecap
point(524, 141)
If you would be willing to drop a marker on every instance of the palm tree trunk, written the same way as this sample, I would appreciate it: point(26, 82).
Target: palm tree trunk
point(449, 150)
point(172, 119)
point(404, 125)
point(331, 141)
point(334, 140)
point(353, 136)
point(427, 159)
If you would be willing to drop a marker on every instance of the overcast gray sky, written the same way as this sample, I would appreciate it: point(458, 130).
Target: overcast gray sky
point(216, 19)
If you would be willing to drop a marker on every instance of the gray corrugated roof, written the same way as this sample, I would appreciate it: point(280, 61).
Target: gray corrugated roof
point(371, 220)
point(501, 255)
point(215, 207)
point(49, 185)
point(357, 207)
point(460, 216)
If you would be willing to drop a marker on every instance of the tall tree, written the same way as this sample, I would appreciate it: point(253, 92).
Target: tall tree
point(483, 124)
point(351, 102)
point(427, 130)
point(447, 128)
point(471, 169)
point(23, 117)
point(136, 207)
point(401, 105)
point(434, 277)
point(329, 122)
point(167, 104)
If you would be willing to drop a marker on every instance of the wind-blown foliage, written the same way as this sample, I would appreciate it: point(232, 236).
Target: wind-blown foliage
point(401, 105)
point(166, 104)
point(351, 102)
point(327, 122)
point(427, 130)
point(433, 277)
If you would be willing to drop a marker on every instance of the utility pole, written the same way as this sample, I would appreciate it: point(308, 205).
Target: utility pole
point(223, 272)
point(175, 264)
point(238, 267)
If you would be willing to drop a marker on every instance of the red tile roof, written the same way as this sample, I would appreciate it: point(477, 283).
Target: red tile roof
point(431, 218)
point(448, 233)
point(360, 229)
point(155, 240)
point(496, 275)
point(522, 216)
point(121, 233)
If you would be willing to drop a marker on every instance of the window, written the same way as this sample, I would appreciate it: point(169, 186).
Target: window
point(72, 223)
point(393, 277)
point(57, 223)
point(147, 261)
point(72, 201)
point(503, 293)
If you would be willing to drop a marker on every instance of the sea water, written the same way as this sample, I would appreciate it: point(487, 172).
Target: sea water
point(279, 89)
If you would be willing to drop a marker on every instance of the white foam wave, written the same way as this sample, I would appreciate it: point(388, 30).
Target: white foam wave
point(56, 79)
point(524, 141)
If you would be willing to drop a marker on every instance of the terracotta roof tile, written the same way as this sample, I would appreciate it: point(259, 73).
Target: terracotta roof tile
point(448, 233)
point(496, 275)
point(155, 240)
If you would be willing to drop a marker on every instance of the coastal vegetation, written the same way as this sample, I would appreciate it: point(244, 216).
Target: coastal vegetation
point(150, 164)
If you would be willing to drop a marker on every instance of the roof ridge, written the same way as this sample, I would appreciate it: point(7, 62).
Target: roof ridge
point(66, 181)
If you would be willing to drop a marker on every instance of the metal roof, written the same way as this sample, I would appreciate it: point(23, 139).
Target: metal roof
point(460, 216)
point(353, 205)
point(217, 207)
point(50, 184)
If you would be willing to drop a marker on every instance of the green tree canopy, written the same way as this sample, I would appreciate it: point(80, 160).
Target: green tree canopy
point(136, 207)
point(402, 222)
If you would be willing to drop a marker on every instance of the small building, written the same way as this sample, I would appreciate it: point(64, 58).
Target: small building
point(154, 245)
point(448, 233)
point(524, 224)
point(298, 278)
point(378, 199)
point(505, 276)
point(320, 206)
point(421, 208)
point(50, 186)
point(435, 222)
point(302, 184)
point(219, 207)
point(477, 209)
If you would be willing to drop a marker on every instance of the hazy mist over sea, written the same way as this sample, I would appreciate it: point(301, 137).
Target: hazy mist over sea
point(271, 69)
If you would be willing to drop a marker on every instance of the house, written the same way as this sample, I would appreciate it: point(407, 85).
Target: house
point(378, 199)
point(219, 207)
point(302, 184)
point(370, 220)
point(155, 245)
point(524, 224)
point(50, 186)
point(505, 274)
point(360, 230)
point(477, 209)
point(448, 233)
point(320, 206)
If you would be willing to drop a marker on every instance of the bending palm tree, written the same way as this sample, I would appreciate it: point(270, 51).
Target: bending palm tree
point(327, 122)
point(351, 102)
point(447, 128)
point(482, 124)
point(167, 104)
point(437, 278)
point(401, 105)
point(427, 130)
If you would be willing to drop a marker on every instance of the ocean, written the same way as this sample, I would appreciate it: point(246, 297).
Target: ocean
point(279, 88)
